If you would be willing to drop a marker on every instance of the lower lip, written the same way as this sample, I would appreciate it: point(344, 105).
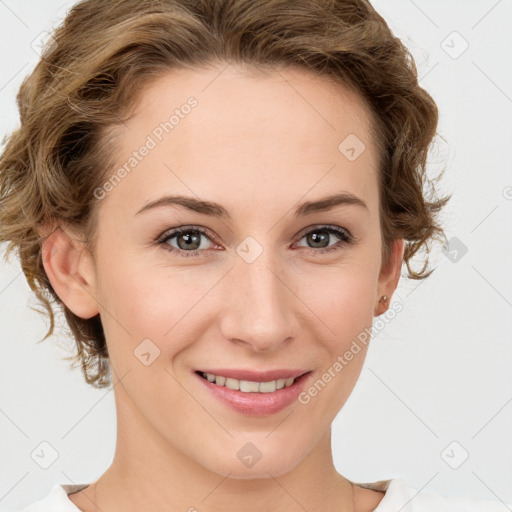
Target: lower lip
point(257, 404)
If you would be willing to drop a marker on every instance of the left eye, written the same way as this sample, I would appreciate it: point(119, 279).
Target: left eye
point(189, 240)
point(326, 231)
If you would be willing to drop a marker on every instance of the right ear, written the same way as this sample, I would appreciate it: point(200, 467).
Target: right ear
point(70, 269)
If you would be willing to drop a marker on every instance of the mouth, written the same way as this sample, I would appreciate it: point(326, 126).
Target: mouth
point(257, 397)
point(259, 384)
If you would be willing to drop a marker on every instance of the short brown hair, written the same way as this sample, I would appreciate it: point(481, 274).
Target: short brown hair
point(106, 51)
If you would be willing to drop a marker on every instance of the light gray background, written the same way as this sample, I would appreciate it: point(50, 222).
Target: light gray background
point(439, 372)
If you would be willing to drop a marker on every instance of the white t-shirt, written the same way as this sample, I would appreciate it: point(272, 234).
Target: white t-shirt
point(399, 496)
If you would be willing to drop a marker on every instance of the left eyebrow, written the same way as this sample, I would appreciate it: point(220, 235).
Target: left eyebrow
point(216, 210)
point(322, 205)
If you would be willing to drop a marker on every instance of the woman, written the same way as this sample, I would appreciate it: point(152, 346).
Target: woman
point(221, 204)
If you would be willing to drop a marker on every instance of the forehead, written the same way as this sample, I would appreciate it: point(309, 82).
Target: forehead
point(282, 129)
point(258, 101)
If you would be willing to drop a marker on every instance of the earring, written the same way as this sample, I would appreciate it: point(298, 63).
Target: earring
point(383, 299)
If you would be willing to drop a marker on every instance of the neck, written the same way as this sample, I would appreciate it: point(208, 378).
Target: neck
point(149, 473)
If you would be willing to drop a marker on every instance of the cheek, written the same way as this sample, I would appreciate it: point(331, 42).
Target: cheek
point(136, 300)
point(134, 304)
point(344, 306)
point(156, 303)
point(341, 296)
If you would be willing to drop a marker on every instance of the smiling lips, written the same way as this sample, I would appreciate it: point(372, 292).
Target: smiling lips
point(254, 393)
point(248, 386)
point(250, 381)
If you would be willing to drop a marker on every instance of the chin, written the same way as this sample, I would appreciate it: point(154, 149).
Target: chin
point(251, 463)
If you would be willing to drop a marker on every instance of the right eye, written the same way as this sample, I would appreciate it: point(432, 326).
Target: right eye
point(188, 240)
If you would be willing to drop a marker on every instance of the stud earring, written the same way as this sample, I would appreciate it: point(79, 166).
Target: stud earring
point(383, 299)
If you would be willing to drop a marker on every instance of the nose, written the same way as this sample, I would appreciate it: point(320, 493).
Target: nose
point(257, 305)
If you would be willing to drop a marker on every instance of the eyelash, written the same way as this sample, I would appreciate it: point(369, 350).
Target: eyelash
point(345, 239)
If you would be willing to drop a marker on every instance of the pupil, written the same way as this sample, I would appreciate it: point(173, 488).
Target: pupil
point(190, 239)
point(317, 238)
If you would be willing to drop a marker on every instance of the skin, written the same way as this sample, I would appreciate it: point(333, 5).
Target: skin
point(258, 144)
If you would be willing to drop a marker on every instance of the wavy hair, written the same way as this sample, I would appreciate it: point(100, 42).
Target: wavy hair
point(101, 56)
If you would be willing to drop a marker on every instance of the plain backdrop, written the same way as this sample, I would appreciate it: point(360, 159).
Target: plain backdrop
point(434, 401)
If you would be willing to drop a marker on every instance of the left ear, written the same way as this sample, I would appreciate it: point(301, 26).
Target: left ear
point(389, 276)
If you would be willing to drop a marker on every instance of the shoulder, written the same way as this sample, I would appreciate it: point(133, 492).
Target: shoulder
point(400, 496)
point(56, 500)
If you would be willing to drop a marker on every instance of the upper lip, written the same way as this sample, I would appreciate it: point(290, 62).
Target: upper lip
point(255, 376)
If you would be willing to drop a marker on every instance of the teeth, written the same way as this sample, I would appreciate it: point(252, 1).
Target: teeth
point(247, 386)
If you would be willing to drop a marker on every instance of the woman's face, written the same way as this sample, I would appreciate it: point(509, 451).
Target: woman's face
point(252, 290)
